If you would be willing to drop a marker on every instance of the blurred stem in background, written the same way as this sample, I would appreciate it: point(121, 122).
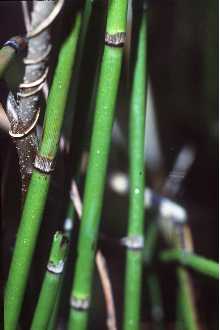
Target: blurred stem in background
point(186, 313)
point(37, 192)
point(135, 240)
point(95, 179)
point(200, 264)
point(154, 294)
point(51, 283)
point(152, 282)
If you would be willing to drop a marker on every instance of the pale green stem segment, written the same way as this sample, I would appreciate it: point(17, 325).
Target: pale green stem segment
point(96, 174)
point(193, 261)
point(154, 292)
point(150, 242)
point(134, 261)
point(186, 314)
point(68, 228)
point(6, 56)
point(51, 283)
point(37, 192)
point(9, 51)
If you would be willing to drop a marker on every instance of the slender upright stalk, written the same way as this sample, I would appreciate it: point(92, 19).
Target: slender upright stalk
point(155, 300)
point(51, 282)
point(101, 267)
point(95, 180)
point(186, 308)
point(23, 116)
point(37, 192)
point(68, 228)
point(150, 241)
point(9, 51)
point(154, 292)
point(134, 258)
point(193, 261)
point(68, 120)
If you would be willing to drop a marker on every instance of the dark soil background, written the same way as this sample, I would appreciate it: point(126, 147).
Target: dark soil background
point(183, 73)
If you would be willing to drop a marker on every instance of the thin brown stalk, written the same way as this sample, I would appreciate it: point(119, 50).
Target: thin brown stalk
point(101, 266)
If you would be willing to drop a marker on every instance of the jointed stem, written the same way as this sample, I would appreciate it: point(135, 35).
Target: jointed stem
point(136, 201)
point(37, 193)
point(51, 283)
point(95, 180)
point(101, 267)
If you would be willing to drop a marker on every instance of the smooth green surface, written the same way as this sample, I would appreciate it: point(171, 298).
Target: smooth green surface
point(24, 248)
point(150, 242)
point(37, 192)
point(50, 285)
point(133, 290)
point(78, 320)
point(7, 54)
point(186, 314)
point(95, 179)
point(46, 301)
point(117, 17)
point(134, 261)
point(59, 92)
point(195, 262)
point(55, 310)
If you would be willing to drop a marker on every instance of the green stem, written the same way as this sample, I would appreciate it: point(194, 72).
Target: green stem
point(68, 120)
point(193, 261)
point(136, 201)
point(185, 305)
point(68, 227)
point(150, 242)
point(9, 51)
point(95, 180)
point(155, 300)
point(37, 192)
point(51, 283)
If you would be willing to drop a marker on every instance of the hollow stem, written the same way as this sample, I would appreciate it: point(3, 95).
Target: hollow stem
point(37, 192)
point(193, 261)
point(134, 258)
point(95, 180)
point(51, 283)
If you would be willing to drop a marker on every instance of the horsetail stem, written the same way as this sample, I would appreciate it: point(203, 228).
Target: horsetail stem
point(95, 179)
point(193, 261)
point(37, 192)
point(136, 199)
point(185, 303)
point(154, 293)
point(67, 227)
point(51, 282)
point(150, 241)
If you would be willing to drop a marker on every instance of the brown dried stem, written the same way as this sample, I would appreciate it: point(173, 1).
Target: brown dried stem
point(24, 113)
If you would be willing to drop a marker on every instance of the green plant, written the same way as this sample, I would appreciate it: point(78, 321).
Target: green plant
point(148, 231)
